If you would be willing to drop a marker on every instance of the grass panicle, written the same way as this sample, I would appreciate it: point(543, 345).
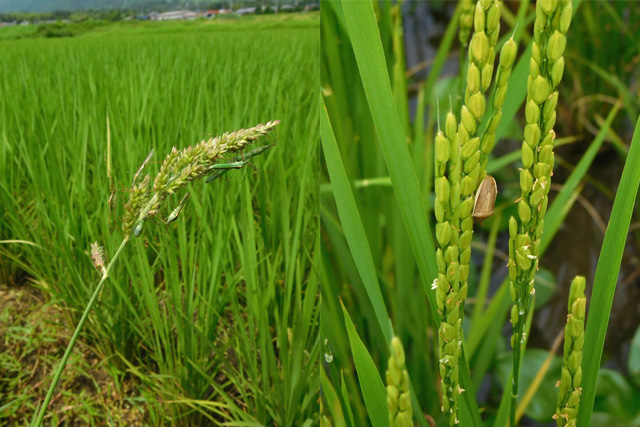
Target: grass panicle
point(466, 23)
point(569, 384)
point(488, 138)
point(472, 149)
point(99, 257)
point(545, 72)
point(464, 31)
point(398, 388)
point(449, 290)
point(182, 167)
point(458, 171)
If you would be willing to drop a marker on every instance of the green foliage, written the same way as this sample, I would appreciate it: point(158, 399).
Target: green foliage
point(607, 271)
point(365, 95)
point(228, 22)
point(63, 29)
point(615, 400)
point(634, 358)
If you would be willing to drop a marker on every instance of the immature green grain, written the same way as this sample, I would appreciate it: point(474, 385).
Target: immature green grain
point(449, 292)
point(546, 67)
point(458, 170)
point(398, 389)
point(466, 23)
point(569, 384)
point(479, 75)
point(488, 138)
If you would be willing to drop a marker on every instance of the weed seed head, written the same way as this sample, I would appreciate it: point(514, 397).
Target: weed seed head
point(98, 256)
point(181, 167)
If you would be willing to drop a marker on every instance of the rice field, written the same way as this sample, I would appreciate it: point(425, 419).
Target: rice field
point(210, 319)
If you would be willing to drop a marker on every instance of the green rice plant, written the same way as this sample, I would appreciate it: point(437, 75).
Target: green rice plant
point(546, 70)
point(569, 388)
point(383, 173)
point(461, 159)
point(178, 169)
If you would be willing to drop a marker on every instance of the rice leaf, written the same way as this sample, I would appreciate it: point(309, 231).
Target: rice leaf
point(353, 228)
point(606, 278)
point(373, 390)
point(365, 39)
point(331, 397)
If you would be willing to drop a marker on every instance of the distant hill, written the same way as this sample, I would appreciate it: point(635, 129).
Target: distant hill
point(53, 5)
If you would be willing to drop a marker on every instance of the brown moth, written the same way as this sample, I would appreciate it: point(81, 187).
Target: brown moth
point(485, 199)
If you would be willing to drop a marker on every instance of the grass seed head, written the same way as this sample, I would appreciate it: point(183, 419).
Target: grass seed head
point(181, 167)
point(466, 21)
point(98, 256)
point(545, 72)
point(458, 172)
point(569, 387)
point(398, 388)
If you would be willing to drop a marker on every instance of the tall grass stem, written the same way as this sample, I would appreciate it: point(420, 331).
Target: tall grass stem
point(76, 333)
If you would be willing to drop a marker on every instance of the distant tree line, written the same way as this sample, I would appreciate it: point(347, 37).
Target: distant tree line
point(69, 15)
point(117, 14)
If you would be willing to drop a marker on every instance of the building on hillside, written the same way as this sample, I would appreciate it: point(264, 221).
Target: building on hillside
point(174, 15)
point(213, 12)
point(246, 11)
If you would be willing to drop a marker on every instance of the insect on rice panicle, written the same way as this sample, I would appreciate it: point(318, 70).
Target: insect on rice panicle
point(138, 228)
point(485, 199)
point(135, 177)
point(174, 214)
point(236, 163)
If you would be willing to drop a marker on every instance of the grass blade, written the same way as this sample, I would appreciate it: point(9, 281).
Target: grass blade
point(354, 232)
point(607, 271)
point(361, 23)
point(333, 403)
point(373, 389)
